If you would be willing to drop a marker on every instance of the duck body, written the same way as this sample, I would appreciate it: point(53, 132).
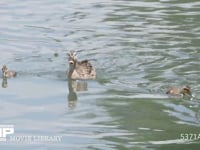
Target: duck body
point(176, 91)
point(8, 73)
point(80, 69)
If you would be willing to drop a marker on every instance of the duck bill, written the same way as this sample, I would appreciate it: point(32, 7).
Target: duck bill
point(71, 62)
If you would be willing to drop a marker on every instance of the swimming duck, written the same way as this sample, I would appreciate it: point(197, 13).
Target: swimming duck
point(80, 69)
point(175, 91)
point(8, 73)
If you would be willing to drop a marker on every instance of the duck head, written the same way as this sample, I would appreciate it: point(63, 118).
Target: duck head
point(72, 62)
point(186, 90)
point(4, 70)
point(72, 58)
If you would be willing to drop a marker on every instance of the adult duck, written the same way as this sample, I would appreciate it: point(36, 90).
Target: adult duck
point(80, 69)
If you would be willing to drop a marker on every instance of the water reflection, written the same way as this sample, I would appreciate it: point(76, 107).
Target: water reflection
point(198, 115)
point(75, 86)
point(4, 83)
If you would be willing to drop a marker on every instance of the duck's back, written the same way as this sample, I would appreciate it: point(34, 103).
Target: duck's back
point(174, 91)
point(85, 70)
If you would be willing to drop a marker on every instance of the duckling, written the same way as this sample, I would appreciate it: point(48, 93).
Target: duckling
point(8, 73)
point(175, 91)
point(80, 69)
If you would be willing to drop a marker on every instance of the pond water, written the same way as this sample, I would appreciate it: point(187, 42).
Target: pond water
point(139, 49)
